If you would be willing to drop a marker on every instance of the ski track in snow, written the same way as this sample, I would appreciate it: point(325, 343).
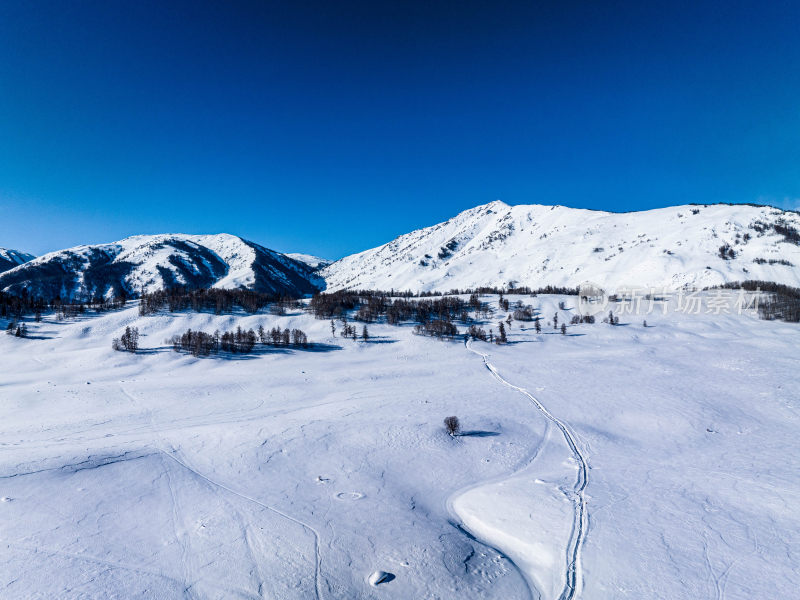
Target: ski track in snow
point(580, 526)
point(215, 484)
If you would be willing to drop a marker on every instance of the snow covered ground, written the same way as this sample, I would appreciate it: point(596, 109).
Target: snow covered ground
point(299, 474)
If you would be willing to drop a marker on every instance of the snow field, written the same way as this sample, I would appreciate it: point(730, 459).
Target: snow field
point(302, 473)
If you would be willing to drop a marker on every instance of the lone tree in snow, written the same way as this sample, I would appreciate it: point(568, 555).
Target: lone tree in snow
point(563, 329)
point(452, 425)
point(501, 335)
point(364, 334)
point(538, 326)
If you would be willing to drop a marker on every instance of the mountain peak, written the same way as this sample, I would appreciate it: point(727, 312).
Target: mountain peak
point(10, 259)
point(151, 262)
point(538, 245)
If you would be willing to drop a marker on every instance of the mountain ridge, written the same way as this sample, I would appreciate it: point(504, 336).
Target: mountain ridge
point(150, 262)
point(492, 245)
point(537, 245)
point(10, 258)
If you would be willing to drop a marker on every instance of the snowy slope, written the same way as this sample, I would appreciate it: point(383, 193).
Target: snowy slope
point(152, 262)
point(315, 262)
point(535, 245)
point(297, 474)
point(12, 258)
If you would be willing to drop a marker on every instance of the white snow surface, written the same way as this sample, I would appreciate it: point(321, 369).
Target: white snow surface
point(315, 262)
point(299, 474)
point(535, 245)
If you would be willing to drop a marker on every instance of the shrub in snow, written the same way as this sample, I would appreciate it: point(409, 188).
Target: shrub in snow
point(452, 425)
point(477, 333)
point(523, 313)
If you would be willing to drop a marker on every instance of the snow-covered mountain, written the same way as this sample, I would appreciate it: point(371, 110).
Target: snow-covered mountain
point(12, 258)
point(152, 262)
point(315, 262)
point(535, 245)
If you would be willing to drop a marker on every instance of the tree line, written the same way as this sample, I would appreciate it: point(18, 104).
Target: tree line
point(371, 306)
point(238, 341)
point(778, 302)
point(18, 306)
point(214, 300)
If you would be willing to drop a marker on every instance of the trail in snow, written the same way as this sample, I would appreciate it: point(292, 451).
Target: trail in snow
point(574, 575)
point(318, 565)
point(213, 483)
point(183, 538)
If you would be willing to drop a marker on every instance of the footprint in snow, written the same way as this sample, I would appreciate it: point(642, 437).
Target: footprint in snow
point(349, 495)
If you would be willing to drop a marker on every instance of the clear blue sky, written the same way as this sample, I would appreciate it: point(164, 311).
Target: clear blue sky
point(331, 127)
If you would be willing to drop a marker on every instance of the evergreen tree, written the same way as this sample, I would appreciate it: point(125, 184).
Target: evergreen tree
point(501, 333)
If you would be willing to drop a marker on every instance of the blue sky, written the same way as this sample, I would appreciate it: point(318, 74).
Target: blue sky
point(331, 127)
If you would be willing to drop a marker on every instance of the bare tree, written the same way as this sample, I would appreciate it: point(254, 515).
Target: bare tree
point(452, 425)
